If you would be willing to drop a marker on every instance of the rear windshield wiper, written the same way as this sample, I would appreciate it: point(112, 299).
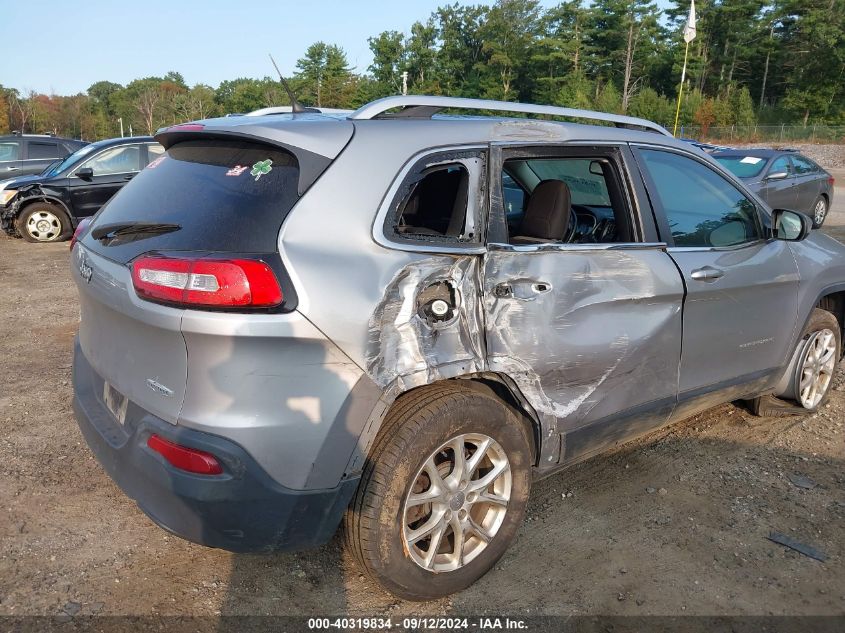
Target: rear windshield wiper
point(110, 231)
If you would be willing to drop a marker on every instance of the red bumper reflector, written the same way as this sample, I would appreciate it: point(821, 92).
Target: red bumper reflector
point(184, 458)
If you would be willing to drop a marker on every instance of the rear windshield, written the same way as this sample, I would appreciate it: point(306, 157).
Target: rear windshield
point(742, 166)
point(205, 195)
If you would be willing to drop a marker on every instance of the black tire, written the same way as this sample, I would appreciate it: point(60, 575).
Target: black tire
point(54, 217)
point(819, 216)
point(418, 424)
point(775, 407)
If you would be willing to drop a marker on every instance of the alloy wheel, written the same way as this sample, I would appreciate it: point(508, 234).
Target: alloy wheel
point(457, 502)
point(820, 211)
point(816, 368)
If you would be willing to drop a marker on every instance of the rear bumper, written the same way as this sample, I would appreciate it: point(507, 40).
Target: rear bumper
point(241, 510)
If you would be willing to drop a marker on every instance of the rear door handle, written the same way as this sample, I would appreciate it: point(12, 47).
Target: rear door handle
point(707, 273)
point(13, 168)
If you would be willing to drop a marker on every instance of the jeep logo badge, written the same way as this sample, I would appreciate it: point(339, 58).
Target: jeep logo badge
point(85, 271)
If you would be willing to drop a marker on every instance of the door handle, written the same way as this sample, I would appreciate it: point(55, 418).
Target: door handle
point(129, 176)
point(13, 168)
point(521, 288)
point(707, 273)
point(503, 290)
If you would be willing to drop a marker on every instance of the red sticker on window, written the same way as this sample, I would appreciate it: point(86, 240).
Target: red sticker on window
point(237, 170)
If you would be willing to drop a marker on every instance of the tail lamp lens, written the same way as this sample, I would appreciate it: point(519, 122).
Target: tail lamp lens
point(184, 458)
point(206, 282)
point(80, 229)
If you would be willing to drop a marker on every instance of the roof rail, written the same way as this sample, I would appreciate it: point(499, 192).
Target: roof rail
point(425, 106)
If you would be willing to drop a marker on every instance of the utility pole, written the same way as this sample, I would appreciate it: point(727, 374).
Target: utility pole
point(130, 130)
point(120, 119)
point(404, 82)
point(689, 36)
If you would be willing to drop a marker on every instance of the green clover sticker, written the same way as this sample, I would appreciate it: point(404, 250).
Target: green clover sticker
point(260, 168)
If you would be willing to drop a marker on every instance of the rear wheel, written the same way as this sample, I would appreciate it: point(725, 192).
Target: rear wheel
point(43, 222)
point(819, 212)
point(443, 492)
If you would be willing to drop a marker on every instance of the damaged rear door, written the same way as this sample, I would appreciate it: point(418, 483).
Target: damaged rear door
point(587, 323)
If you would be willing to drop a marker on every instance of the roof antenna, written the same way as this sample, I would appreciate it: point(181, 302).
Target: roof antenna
point(295, 106)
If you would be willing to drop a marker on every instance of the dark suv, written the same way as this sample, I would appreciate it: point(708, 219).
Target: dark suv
point(22, 154)
point(47, 207)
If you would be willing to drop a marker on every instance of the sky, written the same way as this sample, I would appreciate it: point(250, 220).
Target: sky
point(208, 41)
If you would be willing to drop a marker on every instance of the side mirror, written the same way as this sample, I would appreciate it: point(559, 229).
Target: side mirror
point(790, 226)
point(777, 175)
point(86, 173)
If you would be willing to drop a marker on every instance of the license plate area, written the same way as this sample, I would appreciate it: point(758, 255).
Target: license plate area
point(115, 402)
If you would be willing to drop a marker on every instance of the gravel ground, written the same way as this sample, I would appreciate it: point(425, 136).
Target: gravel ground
point(675, 523)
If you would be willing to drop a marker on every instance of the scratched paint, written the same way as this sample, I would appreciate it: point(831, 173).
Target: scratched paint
point(581, 333)
point(405, 349)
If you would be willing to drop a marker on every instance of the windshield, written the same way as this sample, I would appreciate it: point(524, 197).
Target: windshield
point(50, 167)
point(742, 166)
point(57, 168)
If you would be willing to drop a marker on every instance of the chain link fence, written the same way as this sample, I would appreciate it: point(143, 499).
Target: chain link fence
point(765, 133)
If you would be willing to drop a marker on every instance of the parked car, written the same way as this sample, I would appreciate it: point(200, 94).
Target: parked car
point(47, 207)
point(297, 318)
point(23, 154)
point(783, 178)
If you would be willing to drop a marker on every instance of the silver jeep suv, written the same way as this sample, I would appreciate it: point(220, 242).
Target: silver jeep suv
point(402, 317)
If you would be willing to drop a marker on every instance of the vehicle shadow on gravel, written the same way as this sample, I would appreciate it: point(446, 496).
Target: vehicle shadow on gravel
point(676, 524)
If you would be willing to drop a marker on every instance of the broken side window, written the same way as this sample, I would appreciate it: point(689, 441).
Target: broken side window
point(440, 200)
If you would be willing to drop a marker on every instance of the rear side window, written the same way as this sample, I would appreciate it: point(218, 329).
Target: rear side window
point(220, 196)
point(9, 151)
point(702, 208)
point(43, 150)
point(804, 165)
point(437, 204)
point(439, 200)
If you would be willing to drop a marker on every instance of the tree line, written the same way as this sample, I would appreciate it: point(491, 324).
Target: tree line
point(751, 62)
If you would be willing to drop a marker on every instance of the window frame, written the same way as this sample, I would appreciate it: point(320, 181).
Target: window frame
point(475, 159)
point(660, 213)
point(616, 153)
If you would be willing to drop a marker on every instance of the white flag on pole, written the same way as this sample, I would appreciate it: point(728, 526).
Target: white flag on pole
point(689, 29)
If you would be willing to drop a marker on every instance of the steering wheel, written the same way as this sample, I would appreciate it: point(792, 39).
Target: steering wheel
point(572, 228)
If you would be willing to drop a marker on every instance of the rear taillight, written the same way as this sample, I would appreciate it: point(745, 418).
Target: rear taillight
point(184, 458)
point(235, 283)
point(190, 127)
point(80, 229)
point(831, 180)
